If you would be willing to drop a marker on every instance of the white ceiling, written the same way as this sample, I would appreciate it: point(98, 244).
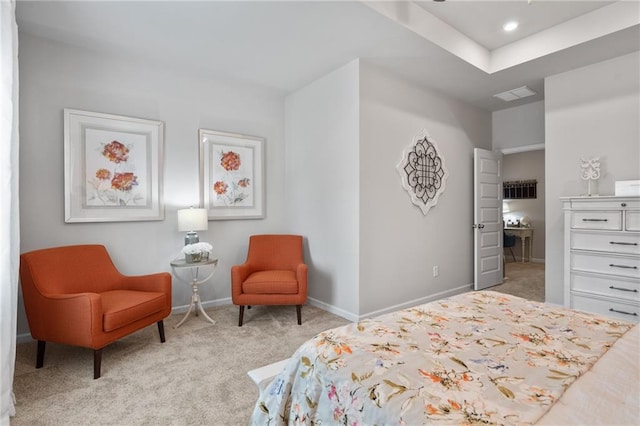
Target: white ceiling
point(482, 21)
point(286, 45)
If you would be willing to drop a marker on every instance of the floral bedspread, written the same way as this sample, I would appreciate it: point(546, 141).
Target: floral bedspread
point(476, 358)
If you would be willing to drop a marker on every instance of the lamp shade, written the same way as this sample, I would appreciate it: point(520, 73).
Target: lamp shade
point(192, 220)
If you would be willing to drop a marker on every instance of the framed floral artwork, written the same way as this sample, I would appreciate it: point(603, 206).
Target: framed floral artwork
point(231, 175)
point(113, 167)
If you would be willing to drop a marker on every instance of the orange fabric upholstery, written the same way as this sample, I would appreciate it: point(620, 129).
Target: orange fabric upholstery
point(123, 307)
point(74, 295)
point(273, 274)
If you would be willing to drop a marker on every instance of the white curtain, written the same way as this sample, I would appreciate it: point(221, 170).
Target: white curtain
point(9, 219)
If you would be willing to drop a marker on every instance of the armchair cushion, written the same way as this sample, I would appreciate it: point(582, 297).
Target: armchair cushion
point(123, 307)
point(271, 282)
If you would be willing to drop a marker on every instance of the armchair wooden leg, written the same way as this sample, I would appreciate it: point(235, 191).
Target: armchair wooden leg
point(97, 362)
point(161, 331)
point(298, 311)
point(40, 356)
point(241, 315)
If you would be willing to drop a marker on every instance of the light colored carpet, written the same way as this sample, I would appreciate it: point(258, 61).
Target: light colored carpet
point(197, 377)
point(523, 279)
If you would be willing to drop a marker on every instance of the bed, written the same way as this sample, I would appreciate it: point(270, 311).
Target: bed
point(475, 358)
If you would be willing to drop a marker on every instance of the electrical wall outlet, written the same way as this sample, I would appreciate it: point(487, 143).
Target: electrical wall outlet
point(436, 271)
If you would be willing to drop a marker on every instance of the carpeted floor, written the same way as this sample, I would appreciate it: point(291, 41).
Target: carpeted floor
point(523, 279)
point(198, 377)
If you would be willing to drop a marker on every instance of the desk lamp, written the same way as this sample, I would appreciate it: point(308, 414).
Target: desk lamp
point(192, 220)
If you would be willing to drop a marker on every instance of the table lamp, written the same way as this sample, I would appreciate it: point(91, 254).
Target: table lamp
point(192, 220)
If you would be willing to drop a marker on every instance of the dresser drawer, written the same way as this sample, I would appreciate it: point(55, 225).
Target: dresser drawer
point(619, 310)
point(624, 243)
point(597, 220)
point(633, 220)
point(627, 289)
point(605, 203)
point(605, 264)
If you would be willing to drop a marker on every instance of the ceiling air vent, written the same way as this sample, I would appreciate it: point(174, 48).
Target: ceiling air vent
point(513, 94)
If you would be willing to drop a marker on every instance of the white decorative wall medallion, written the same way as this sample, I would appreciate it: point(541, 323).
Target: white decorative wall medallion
point(422, 172)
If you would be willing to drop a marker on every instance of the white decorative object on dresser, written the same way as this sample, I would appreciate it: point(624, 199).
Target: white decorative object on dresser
point(602, 255)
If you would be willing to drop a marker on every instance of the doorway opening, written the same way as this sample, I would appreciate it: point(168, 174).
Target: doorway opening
point(524, 262)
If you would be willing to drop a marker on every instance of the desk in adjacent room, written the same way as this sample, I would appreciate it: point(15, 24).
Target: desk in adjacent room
point(523, 233)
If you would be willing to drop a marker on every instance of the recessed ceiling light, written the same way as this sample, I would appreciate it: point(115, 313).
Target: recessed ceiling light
point(510, 26)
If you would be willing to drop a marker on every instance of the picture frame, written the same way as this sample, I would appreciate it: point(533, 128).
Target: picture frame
point(231, 175)
point(113, 167)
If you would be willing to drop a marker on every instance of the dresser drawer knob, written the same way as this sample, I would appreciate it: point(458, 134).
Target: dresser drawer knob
point(623, 204)
point(623, 289)
point(622, 243)
point(613, 265)
point(595, 220)
point(623, 312)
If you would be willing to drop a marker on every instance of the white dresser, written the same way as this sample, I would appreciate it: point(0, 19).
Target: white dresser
point(602, 255)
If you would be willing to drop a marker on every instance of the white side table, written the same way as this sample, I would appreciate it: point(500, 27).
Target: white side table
point(178, 264)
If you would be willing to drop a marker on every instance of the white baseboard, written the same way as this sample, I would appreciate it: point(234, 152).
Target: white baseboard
point(208, 304)
point(354, 317)
point(332, 309)
point(420, 301)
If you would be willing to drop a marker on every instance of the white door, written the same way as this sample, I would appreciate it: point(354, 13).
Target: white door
point(487, 218)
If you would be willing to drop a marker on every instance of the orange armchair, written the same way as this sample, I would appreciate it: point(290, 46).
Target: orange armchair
point(74, 295)
point(273, 274)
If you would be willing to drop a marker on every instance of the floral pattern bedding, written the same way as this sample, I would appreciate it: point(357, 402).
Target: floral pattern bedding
point(476, 358)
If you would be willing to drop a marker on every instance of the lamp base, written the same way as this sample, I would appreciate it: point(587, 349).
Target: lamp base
point(191, 238)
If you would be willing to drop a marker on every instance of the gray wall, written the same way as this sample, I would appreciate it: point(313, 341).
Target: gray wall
point(322, 174)
point(374, 250)
point(55, 76)
point(592, 111)
point(399, 246)
point(519, 126)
